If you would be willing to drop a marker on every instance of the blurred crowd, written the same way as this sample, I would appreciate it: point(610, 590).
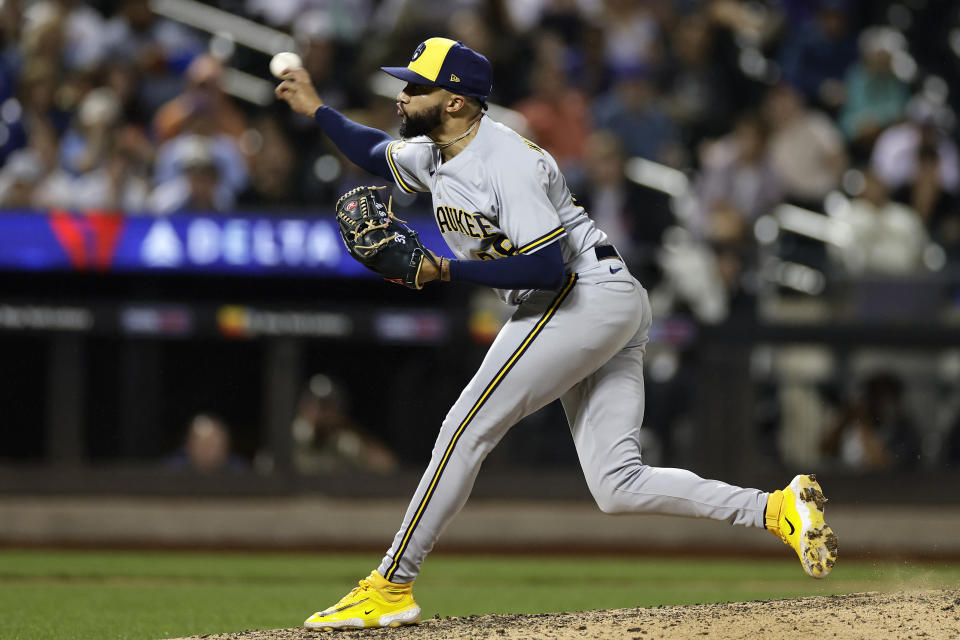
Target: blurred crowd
point(689, 129)
point(325, 438)
point(112, 106)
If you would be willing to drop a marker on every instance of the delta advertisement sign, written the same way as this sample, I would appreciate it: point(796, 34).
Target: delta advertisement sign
point(217, 244)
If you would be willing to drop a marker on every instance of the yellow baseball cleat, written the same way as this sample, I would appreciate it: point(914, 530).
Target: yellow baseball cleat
point(374, 603)
point(795, 515)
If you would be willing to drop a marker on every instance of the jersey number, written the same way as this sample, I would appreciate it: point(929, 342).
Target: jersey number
point(501, 247)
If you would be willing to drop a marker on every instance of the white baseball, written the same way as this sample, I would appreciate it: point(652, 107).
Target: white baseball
point(283, 61)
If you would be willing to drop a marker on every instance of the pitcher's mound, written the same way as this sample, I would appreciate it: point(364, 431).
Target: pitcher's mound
point(911, 615)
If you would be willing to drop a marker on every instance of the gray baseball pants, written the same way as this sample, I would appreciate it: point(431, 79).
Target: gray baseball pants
point(584, 345)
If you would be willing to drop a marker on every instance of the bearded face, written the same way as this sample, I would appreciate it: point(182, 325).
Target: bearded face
point(420, 124)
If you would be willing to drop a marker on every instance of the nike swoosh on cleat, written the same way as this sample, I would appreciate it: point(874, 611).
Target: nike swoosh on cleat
point(612, 270)
point(792, 528)
point(366, 613)
point(344, 607)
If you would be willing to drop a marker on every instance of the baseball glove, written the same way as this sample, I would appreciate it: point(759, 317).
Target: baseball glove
point(379, 240)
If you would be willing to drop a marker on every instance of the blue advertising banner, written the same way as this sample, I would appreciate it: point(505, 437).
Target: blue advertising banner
point(182, 244)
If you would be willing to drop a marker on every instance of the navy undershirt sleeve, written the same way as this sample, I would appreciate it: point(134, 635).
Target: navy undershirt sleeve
point(541, 270)
point(365, 146)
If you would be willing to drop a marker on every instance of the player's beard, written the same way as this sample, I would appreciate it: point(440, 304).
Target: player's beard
point(420, 124)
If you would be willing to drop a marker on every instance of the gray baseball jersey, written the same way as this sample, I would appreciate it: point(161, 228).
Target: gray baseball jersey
point(501, 196)
point(583, 344)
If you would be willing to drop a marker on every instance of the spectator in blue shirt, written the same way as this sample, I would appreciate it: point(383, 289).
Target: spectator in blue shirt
point(818, 53)
point(632, 112)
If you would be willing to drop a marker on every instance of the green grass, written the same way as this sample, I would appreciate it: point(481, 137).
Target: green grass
point(67, 595)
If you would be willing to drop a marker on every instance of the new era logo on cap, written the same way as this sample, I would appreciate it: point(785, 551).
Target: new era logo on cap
point(446, 63)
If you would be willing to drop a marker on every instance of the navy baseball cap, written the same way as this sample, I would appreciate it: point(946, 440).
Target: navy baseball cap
point(442, 62)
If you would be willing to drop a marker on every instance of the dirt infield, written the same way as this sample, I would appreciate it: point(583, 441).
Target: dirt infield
point(919, 615)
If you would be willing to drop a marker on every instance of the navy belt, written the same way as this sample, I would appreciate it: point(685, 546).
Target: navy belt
point(605, 252)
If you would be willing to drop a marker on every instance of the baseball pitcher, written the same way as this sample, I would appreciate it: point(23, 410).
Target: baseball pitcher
point(578, 332)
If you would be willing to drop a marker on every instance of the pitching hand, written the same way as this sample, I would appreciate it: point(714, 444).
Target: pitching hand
point(297, 91)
